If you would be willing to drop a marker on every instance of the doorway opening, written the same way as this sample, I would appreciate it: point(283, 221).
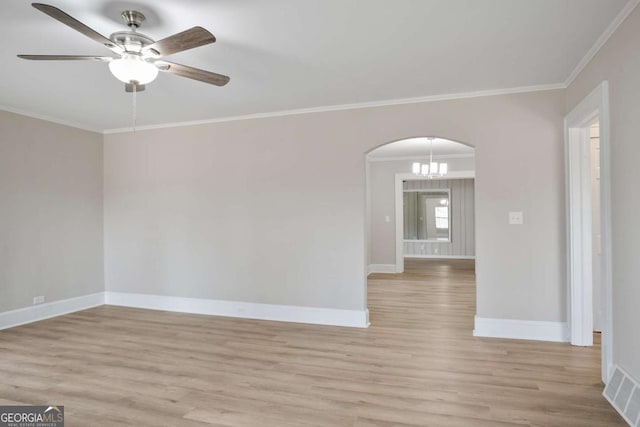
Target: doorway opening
point(420, 228)
point(587, 152)
point(413, 215)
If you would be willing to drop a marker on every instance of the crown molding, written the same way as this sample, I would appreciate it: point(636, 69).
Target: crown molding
point(604, 37)
point(435, 157)
point(343, 107)
point(324, 109)
point(49, 119)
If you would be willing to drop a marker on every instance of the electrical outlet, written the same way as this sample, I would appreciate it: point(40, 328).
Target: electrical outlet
point(516, 218)
point(38, 300)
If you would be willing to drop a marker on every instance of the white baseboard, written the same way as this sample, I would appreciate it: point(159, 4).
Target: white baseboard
point(246, 310)
point(22, 316)
point(382, 268)
point(440, 256)
point(284, 313)
point(521, 329)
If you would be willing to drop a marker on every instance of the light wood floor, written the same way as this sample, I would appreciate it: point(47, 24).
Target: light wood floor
point(417, 365)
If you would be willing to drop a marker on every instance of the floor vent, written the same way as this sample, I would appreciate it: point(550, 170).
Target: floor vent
point(624, 394)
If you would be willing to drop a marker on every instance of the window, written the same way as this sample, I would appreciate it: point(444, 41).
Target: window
point(442, 217)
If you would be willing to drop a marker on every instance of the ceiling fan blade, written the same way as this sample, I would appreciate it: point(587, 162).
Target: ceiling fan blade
point(193, 73)
point(66, 58)
point(128, 87)
point(188, 39)
point(70, 21)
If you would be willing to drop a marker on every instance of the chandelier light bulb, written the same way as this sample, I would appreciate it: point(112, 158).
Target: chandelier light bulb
point(431, 169)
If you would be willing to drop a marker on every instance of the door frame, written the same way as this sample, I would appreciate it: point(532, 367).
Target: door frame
point(579, 223)
point(399, 191)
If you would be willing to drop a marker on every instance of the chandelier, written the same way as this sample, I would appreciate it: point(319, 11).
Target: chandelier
point(431, 169)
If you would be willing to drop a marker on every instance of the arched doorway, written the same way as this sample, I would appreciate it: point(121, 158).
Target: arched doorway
point(426, 220)
point(393, 182)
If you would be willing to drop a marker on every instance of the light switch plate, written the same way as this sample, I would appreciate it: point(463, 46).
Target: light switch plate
point(516, 218)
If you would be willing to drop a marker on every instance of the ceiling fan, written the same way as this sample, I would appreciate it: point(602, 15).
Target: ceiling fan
point(139, 56)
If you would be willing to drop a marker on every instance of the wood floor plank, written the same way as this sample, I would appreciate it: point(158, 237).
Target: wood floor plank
point(417, 365)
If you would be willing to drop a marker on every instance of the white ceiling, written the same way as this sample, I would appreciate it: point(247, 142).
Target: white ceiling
point(296, 54)
point(420, 148)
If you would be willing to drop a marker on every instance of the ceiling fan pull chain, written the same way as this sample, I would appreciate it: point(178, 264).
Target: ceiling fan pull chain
point(134, 107)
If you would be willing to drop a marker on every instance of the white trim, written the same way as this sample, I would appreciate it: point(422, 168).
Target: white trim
point(399, 209)
point(520, 329)
point(382, 268)
point(343, 107)
point(49, 119)
point(580, 237)
point(578, 219)
point(410, 158)
point(441, 256)
point(604, 37)
point(22, 316)
point(323, 109)
point(424, 240)
point(244, 310)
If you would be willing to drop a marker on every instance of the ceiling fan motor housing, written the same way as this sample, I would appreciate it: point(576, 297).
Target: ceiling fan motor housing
point(132, 41)
point(133, 18)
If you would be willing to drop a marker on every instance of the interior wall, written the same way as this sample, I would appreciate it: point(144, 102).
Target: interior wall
point(257, 211)
point(51, 237)
point(619, 63)
point(273, 210)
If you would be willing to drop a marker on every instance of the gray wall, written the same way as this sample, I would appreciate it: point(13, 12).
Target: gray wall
point(51, 239)
point(462, 220)
point(273, 210)
point(381, 191)
point(619, 63)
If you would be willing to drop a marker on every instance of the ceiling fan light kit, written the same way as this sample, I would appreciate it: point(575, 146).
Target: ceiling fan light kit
point(138, 61)
point(133, 69)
